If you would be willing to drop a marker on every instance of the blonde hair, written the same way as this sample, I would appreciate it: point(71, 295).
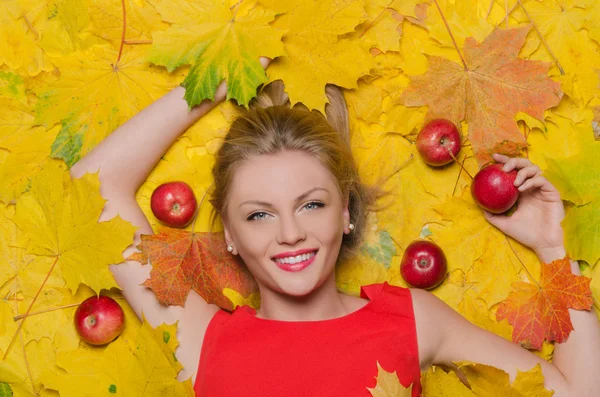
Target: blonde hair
point(270, 126)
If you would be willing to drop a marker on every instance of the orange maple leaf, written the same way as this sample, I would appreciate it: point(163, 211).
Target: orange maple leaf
point(539, 311)
point(488, 92)
point(182, 261)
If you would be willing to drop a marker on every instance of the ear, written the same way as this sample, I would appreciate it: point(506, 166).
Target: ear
point(346, 215)
point(228, 239)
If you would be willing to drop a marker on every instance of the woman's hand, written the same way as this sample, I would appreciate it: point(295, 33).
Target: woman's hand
point(536, 222)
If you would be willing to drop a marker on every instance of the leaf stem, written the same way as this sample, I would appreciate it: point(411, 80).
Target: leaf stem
point(372, 23)
point(459, 172)
point(558, 65)
point(508, 13)
point(455, 159)
point(199, 206)
point(451, 35)
point(27, 363)
point(37, 36)
point(20, 316)
point(122, 33)
point(29, 308)
point(489, 11)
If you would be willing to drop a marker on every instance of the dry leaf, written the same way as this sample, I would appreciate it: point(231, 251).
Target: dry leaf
point(539, 311)
point(495, 87)
point(182, 261)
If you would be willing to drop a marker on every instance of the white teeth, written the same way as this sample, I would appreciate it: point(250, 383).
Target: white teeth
point(295, 259)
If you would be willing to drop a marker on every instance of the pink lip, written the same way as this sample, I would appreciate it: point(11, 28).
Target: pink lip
point(294, 253)
point(296, 267)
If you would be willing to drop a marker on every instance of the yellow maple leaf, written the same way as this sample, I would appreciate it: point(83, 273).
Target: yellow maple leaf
point(25, 147)
point(107, 20)
point(18, 48)
point(21, 370)
point(489, 381)
point(58, 218)
point(147, 368)
point(65, 25)
point(94, 95)
point(21, 275)
point(388, 385)
point(439, 383)
point(315, 56)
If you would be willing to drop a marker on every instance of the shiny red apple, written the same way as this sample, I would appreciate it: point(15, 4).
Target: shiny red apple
point(439, 142)
point(493, 189)
point(173, 203)
point(99, 320)
point(423, 265)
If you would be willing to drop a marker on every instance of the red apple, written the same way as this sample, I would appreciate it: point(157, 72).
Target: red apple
point(99, 320)
point(493, 189)
point(423, 264)
point(437, 139)
point(173, 203)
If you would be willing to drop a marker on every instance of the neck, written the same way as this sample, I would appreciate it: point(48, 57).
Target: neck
point(323, 303)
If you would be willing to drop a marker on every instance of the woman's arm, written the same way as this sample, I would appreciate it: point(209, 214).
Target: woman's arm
point(536, 223)
point(124, 160)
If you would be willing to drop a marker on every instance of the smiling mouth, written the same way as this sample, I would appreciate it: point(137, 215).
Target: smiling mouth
point(297, 262)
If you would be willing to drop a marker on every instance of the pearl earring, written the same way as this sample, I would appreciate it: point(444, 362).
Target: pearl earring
point(230, 248)
point(351, 226)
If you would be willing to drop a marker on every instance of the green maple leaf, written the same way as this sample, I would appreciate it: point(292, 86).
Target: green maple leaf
point(220, 43)
point(578, 180)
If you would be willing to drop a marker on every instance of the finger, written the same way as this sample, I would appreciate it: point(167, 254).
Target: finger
point(516, 162)
point(500, 158)
point(527, 172)
point(533, 183)
point(499, 221)
point(264, 61)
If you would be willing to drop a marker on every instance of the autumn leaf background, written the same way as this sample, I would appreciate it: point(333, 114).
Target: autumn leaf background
point(521, 77)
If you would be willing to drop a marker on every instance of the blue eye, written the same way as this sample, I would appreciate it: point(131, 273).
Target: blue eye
point(257, 216)
point(314, 205)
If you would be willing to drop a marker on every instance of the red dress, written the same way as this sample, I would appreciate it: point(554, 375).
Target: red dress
point(244, 355)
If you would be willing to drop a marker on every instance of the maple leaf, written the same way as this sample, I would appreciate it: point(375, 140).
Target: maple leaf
point(562, 24)
point(18, 48)
point(107, 19)
point(438, 383)
point(220, 43)
point(315, 55)
point(146, 368)
point(26, 147)
point(388, 385)
point(182, 261)
point(577, 178)
point(488, 94)
point(21, 370)
point(94, 96)
point(58, 218)
point(486, 380)
point(540, 311)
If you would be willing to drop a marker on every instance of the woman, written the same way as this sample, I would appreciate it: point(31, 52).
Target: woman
point(288, 192)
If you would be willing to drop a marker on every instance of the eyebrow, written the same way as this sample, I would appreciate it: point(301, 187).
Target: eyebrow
point(299, 198)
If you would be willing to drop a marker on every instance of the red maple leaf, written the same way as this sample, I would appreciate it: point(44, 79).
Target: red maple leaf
point(182, 261)
point(493, 87)
point(540, 311)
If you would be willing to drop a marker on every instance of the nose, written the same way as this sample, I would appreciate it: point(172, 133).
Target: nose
point(290, 230)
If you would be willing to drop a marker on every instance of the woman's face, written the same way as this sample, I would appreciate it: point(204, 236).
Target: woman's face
point(286, 208)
